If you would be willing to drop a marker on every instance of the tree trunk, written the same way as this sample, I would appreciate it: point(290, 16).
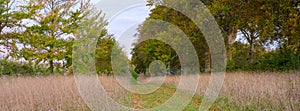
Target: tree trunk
point(51, 59)
point(251, 52)
point(51, 67)
point(231, 39)
point(207, 66)
point(207, 63)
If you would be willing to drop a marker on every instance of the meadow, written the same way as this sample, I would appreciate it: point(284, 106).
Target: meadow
point(240, 91)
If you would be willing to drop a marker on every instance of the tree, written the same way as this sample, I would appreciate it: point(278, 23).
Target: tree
point(146, 52)
point(270, 23)
point(267, 21)
point(92, 27)
point(251, 23)
point(226, 13)
point(5, 8)
point(10, 20)
point(49, 39)
point(103, 55)
point(9, 17)
point(285, 19)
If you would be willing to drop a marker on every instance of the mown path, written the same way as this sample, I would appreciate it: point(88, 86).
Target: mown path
point(158, 97)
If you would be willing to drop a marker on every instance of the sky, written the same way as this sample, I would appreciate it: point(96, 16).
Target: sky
point(124, 19)
point(124, 26)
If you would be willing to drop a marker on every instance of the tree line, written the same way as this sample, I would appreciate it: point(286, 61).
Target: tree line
point(40, 35)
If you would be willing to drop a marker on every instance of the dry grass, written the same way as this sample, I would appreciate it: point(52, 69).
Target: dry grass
point(49, 93)
point(39, 93)
point(265, 91)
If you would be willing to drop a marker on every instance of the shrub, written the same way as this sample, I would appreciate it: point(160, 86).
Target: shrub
point(134, 74)
point(14, 68)
point(280, 60)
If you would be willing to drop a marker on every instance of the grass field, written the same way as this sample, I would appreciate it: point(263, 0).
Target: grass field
point(240, 91)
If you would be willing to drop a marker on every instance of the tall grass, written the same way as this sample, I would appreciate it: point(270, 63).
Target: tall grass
point(242, 91)
point(258, 91)
point(39, 93)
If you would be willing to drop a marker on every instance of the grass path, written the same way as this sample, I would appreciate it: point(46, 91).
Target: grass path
point(158, 97)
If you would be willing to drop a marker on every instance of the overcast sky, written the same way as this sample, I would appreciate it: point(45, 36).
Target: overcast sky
point(124, 21)
point(125, 25)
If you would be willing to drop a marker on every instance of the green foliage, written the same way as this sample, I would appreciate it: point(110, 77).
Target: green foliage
point(148, 51)
point(277, 60)
point(93, 27)
point(9, 17)
point(134, 74)
point(14, 68)
point(103, 55)
point(119, 61)
point(47, 40)
point(261, 24)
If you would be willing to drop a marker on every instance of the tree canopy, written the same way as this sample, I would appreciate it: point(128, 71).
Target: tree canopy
point(48, 30)
point(260, 24)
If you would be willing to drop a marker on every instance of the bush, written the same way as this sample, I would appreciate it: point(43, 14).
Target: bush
point(281, 60)
point(133, 74)
point(14, 68)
